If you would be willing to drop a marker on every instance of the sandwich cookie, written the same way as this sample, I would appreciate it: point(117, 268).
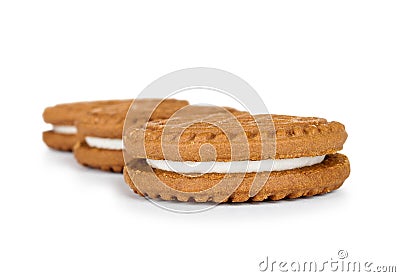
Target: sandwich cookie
point(236, 158)
point(63, 135)
point(100, 131)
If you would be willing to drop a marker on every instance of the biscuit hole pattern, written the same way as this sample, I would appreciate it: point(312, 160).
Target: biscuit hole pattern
point(290, 133)
point(187, 137)
point(311, 130)
point(282, 132)
point(252, 135)
point(298, 131)
point(207, 136)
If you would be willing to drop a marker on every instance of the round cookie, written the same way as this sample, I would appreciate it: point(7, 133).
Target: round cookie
point(301, 153)
point(63, 136)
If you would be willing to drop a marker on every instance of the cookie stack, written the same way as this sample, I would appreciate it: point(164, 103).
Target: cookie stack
point(202, 154)
point(93, 130)
point(63, 118)
point(254, 158)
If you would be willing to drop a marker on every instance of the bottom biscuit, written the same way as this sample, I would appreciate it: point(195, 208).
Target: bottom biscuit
point(62, 142)
point(104, 159)
point(307, 181)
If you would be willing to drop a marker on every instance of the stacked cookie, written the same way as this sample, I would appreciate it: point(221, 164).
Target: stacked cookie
point(252, 157)
point(202, 153)
point(100, 131)
point(93, 130)
point(63, 118)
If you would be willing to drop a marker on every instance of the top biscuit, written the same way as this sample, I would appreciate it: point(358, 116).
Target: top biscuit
point(108, 121)
point(282, 137)
point(67, 114)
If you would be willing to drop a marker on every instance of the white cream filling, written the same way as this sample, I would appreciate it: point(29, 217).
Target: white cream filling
point(65, 129)
point(235, 166)
point(104, 143)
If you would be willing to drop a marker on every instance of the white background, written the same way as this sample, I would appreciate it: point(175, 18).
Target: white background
point(334, 59)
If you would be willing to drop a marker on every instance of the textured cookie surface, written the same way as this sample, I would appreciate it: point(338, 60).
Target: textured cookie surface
point(256, 137)
point(307, 181)
point(108, 121)
point(67, 114)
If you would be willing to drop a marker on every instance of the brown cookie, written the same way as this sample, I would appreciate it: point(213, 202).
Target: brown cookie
point(100, 132)
point(63, 117)
point(251, 158)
